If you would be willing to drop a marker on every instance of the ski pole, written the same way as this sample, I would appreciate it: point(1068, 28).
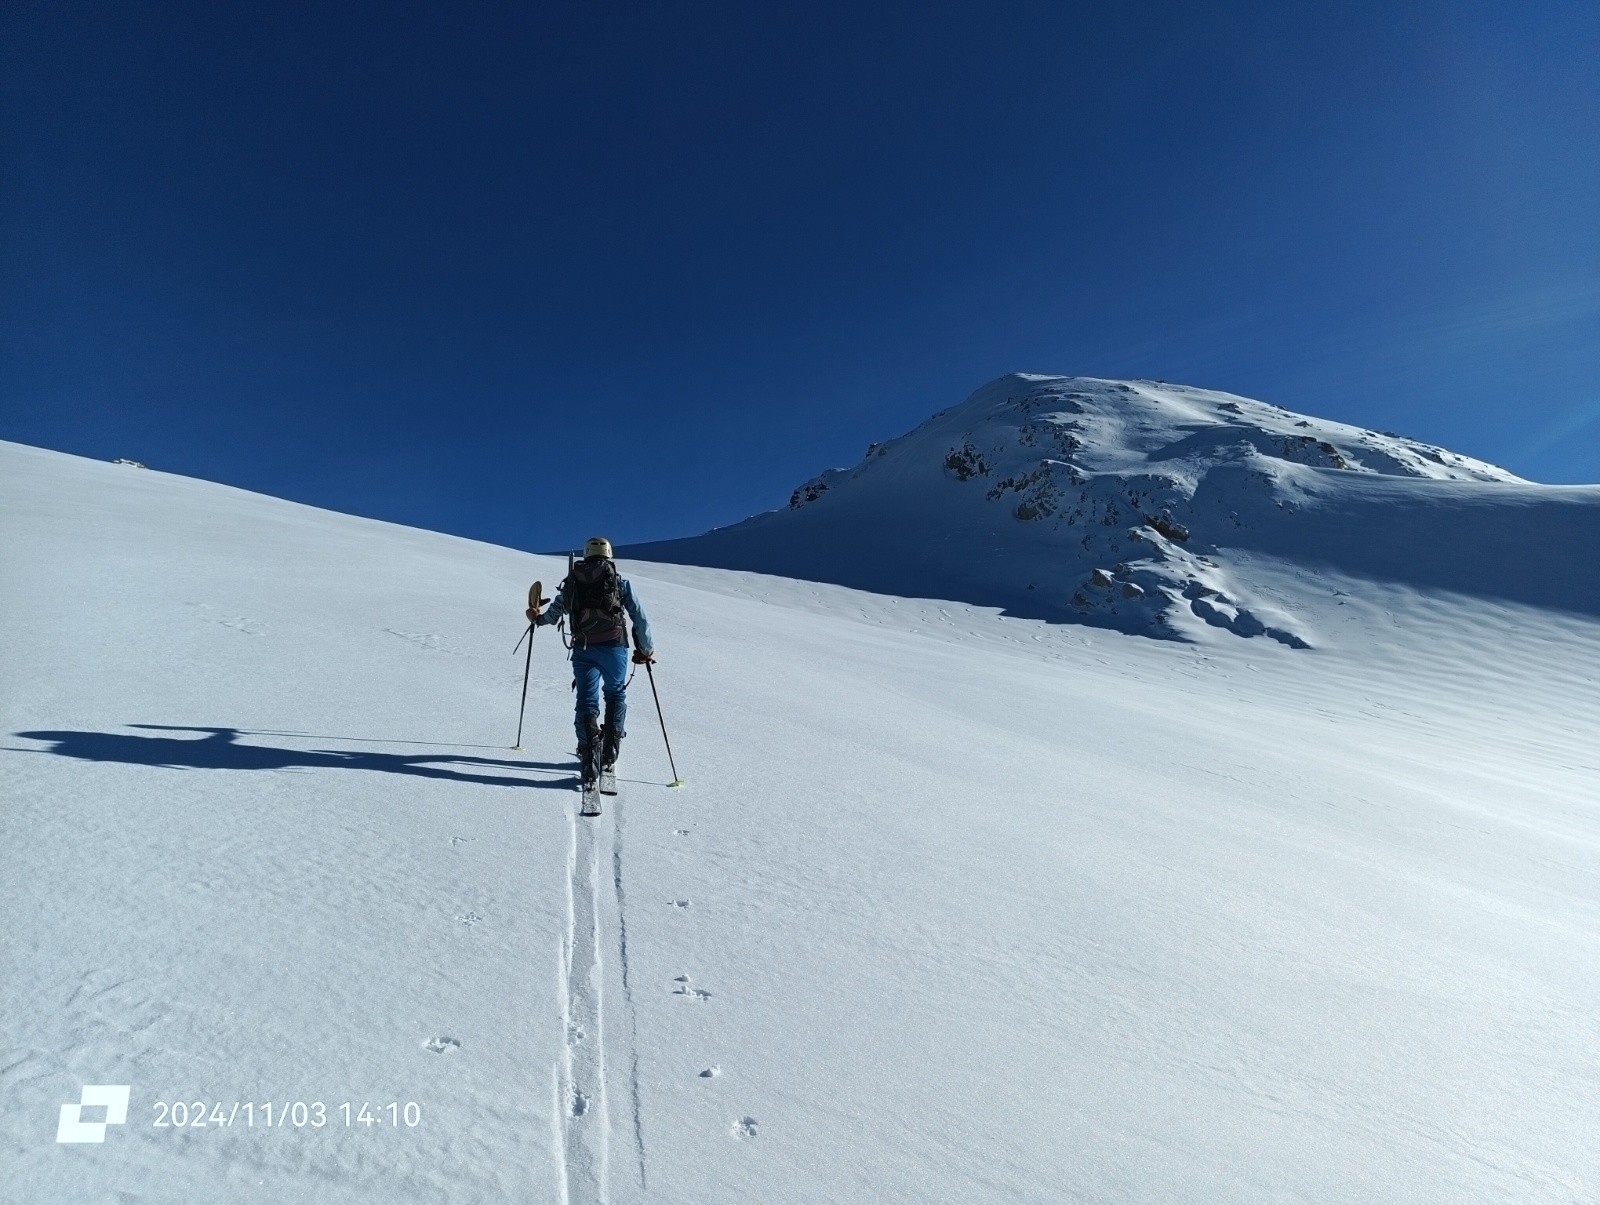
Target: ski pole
point(649, 668)
point(533, 605)
point(527, 665)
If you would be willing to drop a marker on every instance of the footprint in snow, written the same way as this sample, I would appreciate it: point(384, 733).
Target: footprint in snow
point(680, 832)
point(441, 1045)
point(580, 1104)
point(711, 1072)
point(679, 903)
point(683, 989)
point(745, 1127)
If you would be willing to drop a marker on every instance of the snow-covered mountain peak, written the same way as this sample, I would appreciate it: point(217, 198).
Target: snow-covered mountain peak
point(1025, 424)
point(1137, 505)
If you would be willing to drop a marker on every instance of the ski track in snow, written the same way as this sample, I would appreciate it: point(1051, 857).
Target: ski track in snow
point(582, 1098)
point(634, 1102)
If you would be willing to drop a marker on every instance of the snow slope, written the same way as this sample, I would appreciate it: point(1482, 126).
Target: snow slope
point(956, 905)
point(1145, 506)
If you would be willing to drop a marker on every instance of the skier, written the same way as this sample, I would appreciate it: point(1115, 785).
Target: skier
point(593, 599)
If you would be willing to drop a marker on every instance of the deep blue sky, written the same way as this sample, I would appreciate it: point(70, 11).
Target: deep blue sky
point(526, 271)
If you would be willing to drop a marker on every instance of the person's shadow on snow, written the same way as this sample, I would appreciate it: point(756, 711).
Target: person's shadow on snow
point(220, 749)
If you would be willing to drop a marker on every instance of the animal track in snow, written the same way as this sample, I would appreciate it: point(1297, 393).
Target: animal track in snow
point(470, 919)
point(239, 623)
point(679, 903)
point(711, 1072)
point(684, 989)
point(745, 1127)
point(680, 832)
point(580, 1104)
point(441, 1045)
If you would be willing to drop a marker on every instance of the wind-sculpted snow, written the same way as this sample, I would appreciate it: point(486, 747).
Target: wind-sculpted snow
point(1143, 506)
point(953, 907)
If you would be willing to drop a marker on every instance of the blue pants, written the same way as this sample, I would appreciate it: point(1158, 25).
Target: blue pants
point(590, 668)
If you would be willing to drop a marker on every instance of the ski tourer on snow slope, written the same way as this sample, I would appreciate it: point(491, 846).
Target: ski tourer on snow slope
point(597, 601)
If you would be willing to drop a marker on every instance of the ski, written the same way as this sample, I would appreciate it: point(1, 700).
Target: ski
point(608, 780)
point(591, 800)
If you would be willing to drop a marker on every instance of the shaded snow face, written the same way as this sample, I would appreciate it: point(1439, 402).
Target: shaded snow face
point(1134, 505)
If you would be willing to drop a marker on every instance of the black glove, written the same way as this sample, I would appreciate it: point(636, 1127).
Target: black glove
point(640, 657)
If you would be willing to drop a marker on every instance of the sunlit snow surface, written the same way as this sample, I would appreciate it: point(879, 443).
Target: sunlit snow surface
point(1145, 507)
point(955, 905)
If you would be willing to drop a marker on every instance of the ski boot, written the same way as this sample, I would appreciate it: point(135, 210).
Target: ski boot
point(589, 766)
point(610, 746)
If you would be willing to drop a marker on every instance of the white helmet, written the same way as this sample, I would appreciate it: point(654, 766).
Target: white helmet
point(597, 546)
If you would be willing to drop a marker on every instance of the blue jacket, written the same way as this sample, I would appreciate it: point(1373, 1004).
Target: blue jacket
point(641, 625)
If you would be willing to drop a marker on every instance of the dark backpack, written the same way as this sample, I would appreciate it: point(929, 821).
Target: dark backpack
point(594, 603)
